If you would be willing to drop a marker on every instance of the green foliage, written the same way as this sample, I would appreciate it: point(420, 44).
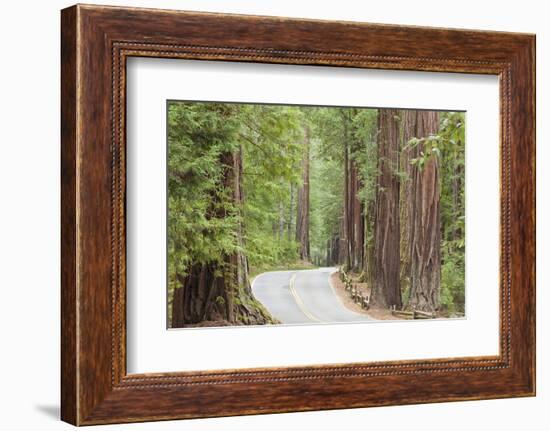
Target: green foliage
point(202, 218)
point(365, 154)
point(333, 127)
point(451, 140)
point(327, 178)
point(452, 283)
point(365, 150)
point(326, 203)
point(272, 137)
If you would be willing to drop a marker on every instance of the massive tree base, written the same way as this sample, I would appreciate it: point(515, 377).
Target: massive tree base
point(212, 294)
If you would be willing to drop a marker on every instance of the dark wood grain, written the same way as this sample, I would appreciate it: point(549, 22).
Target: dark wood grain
point(96, 41)
point(69, 367)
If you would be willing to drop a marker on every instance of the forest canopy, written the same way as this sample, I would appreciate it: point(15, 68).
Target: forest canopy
point(377, 192)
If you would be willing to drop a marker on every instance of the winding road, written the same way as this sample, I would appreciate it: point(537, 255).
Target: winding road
point(305, 296)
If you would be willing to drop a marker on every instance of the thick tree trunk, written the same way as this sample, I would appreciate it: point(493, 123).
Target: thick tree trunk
point(220, 291)
point(203, 295)
point(302, 216)
point(406, 197)
point(386, 290)
point(426, 223)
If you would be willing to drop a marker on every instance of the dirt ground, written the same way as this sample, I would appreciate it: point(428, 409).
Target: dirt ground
point(345, 298)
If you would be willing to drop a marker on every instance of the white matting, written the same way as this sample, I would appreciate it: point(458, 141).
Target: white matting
point(153, 348)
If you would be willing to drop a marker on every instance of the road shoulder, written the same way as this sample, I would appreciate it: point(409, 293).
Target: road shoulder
point(344, 297)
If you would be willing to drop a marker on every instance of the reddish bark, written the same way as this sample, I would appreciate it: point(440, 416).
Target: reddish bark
point(352, 227)
point(357, 222)
point(386, 290)
point(426, 222)
point(406, 196)
point(302, 217)
point(345, 236)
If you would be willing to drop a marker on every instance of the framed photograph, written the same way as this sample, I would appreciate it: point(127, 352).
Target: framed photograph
point(264, 215)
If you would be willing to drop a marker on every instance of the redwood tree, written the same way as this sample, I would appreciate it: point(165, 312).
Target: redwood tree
point(302, 214)
point(386, 290)
point(220, 291)
point(408, 170)
point(425, 251)
point(356, 219)
point(346, 225)
point(352, 227)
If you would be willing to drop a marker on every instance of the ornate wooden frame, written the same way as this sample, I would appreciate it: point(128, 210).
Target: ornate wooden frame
point(95, 42)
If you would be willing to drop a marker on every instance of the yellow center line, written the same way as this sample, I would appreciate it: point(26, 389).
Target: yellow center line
point(299, 302)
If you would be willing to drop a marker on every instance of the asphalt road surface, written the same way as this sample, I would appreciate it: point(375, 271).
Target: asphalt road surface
point(298, 297)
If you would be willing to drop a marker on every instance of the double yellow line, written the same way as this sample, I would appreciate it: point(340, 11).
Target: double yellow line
point(299, 301)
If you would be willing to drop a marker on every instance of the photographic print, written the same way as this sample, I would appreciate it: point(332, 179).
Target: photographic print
point(287, 214)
